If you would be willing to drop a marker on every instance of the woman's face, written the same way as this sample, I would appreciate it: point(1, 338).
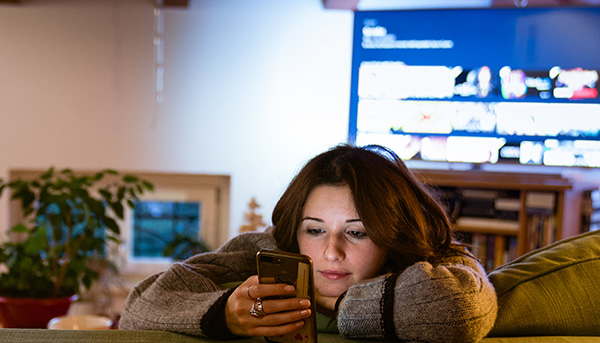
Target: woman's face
point(333, 235)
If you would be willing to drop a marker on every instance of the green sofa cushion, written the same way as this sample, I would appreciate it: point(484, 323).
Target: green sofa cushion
point(554, 290)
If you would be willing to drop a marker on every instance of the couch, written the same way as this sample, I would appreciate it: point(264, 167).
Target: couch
point(552, 291)
point(550, 295)
point(120, 336)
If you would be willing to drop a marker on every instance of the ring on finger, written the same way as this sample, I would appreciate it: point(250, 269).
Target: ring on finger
point(257, 309)
point(248, 292)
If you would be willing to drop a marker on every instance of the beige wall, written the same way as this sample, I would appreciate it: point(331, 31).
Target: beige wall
point(252, 89)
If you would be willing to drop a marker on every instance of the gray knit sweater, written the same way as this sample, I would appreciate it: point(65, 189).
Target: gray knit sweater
point(449, 302)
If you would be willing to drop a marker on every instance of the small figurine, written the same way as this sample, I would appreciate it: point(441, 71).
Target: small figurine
point(254, 220)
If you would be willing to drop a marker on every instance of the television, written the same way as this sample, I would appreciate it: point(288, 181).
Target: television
point(481, 86)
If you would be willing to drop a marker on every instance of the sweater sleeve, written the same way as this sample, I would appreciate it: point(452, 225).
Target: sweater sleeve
point(449, 302)
point(184, 298)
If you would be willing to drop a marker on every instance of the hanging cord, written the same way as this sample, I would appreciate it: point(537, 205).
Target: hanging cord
point(158, 42)
point(159, 48)
point(521, 3)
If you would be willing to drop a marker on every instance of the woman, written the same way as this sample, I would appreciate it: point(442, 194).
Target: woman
point(385, 264)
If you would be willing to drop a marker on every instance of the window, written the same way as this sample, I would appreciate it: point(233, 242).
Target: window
point(183, 207)
point(159, 224)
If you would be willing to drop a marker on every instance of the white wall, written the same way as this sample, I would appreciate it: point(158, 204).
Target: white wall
point(252, 89)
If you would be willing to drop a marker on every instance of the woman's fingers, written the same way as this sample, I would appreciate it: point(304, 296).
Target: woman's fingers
point(273, 306)
point(257, 290)
point(276, 297)
point(274, 323)
point(278, 323)
point(281, 313)
point(281, 317)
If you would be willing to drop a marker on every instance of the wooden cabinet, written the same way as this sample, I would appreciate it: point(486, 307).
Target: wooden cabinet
point(538, 201)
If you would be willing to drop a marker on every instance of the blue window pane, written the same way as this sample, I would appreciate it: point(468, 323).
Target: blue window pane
point(156, 224)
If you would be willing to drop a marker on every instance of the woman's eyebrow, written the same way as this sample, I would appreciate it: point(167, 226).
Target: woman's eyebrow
point(322, 221)
point(313, 218)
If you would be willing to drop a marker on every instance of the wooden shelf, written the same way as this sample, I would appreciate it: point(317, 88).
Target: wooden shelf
point(526, 187)
point(493, 180)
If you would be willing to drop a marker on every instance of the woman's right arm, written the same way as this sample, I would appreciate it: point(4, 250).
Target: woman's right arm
point(188, 297)
point(182, 299)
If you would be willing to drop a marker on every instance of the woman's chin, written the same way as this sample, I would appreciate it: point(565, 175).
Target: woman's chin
point(332, 292)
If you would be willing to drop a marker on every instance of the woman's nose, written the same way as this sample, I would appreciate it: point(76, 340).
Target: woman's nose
point(334, 249)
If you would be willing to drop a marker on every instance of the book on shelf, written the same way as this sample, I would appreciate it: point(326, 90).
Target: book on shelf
point(507, 204)
point(500, 204)
point(488, 225)
point(492, 250)
point(477, 208)
point(476, 193)
point(507, 208)
point(541, 200)
point(541, 230)
point(541, 219)
point(499, 250)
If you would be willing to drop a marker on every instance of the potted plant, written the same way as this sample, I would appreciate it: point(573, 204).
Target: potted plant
point(69, 219)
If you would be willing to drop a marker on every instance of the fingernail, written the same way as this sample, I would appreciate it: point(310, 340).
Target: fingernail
point(305, 313)
point(289, 288)
point(304, 302)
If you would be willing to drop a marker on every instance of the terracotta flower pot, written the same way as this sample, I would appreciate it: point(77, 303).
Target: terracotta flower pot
point(31, 312)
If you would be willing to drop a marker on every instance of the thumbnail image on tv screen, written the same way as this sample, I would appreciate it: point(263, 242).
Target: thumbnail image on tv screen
point(493, 85)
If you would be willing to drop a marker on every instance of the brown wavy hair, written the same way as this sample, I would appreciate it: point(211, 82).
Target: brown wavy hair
point(400, 214)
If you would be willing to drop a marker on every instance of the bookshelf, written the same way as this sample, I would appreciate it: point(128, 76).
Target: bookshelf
point(505, 215)
point(590, 209)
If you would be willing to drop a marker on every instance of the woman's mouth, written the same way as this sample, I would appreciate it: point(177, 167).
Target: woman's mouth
point(334, 274)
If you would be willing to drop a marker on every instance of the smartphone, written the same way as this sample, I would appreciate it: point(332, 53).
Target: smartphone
point(294, 269)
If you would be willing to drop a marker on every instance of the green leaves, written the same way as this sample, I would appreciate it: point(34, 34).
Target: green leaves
point(19, 228)
point(111, 224)
point(71, 219)
point(130, 179)
point(148, 186)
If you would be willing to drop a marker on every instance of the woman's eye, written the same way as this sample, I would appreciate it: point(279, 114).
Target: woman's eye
point(312, 231)
point(357, 234)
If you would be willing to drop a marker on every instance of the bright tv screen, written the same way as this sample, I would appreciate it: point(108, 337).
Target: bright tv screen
point(477, 86)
